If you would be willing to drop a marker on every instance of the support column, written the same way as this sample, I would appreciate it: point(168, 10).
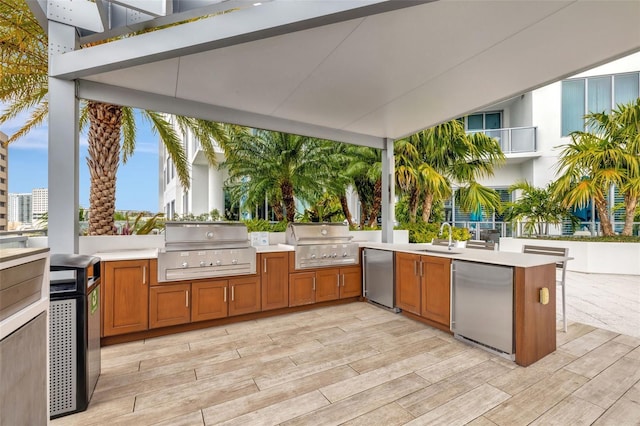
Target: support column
point(63, 152)
point(388, 191)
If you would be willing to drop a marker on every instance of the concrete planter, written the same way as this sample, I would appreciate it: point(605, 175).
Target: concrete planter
point(588, 256)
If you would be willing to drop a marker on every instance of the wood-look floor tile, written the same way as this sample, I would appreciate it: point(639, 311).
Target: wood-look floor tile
point(256, 401)
point(308, 334)
point(451, 349)
point(634, 354)
point(281, 411)
point(529, 404)
point(230, 342)
point(300, 371)
point(148, 354)
point(115, 351)
point(144, 383)
point(123, 369)
point(519, 379)
point(387, 415)
point(624, 412)
point(193, 359)
point(376, 377)
point(588, 342)
point(481, 421)
point(435, 395)
point(450, 366)
point(592, 363)
point(634, 342)
point(327, 353)
point(159, 408)
point(605, 389)
point(361, 403)
point(574, 330)
point(464, 408)
point(553, 362)
point(250, 371)
point(396, 353)
point(409, 339)
point(570, 411)
point(189, 419)
point(186, 337)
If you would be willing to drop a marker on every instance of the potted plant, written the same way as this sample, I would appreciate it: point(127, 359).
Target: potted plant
point(460, 236)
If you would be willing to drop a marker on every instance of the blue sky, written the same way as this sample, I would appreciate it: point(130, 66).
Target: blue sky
point(137, 181)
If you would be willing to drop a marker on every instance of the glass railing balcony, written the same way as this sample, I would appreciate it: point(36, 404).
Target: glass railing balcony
point(513, 140)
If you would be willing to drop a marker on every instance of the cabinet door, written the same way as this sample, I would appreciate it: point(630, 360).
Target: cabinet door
point(169, 305)
point(209, 300)
point(302, 288)
point(351, 282)
point(275, 280)
point(245, 295)
point(126, 297)
point(408, 282)
point(327, 284)
point(436, 289)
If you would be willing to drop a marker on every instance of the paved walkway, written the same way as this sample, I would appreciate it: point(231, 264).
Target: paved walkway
point(610, 302)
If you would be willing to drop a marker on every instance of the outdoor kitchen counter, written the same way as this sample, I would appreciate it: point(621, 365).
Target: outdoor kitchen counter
point(135, 254)
point(504, 258)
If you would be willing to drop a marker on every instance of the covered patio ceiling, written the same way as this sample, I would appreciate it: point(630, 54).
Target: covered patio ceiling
point(353, 71)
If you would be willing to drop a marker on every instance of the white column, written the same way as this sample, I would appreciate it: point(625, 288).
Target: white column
point(63, 149)
point(216, 192)
point(388, 191)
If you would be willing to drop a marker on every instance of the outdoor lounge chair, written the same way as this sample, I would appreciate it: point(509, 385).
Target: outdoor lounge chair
point(555, 251)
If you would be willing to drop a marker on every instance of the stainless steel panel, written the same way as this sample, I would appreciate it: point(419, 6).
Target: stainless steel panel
point(189, 235)
point(93, 339)
point(482, 304)
point(320, 255)
point(317, 233)
point(193, 264)
point(63, 350)
point(379, 277)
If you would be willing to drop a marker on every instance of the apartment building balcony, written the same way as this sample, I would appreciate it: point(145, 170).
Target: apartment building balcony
point(517, 143)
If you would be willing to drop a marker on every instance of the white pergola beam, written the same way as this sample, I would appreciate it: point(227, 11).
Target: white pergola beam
point(255, 23)
point(150, 101)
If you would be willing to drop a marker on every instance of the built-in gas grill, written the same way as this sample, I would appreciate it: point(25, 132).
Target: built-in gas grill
point(322, 244)
point(205, 250)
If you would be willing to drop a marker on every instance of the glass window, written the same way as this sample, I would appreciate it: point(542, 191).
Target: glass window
point(573, 106)
point(599, 89)
point(492, 121)
point(626, 88)
point(475, 122)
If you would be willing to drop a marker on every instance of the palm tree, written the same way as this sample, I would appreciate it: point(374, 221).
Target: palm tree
point(24, 86)
point(595, 160)
point(536, 208)
point(279, 165)
point(365, 172)
point(432, 161)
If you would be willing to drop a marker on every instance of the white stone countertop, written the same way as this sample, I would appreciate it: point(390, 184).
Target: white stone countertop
point(134, 254)
point(505, 258)
point(274, 248)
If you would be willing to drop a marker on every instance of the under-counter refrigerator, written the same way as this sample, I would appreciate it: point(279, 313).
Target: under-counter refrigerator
point(482, 305)
point(379, 277)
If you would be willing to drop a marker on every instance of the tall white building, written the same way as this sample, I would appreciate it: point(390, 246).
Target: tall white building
point(205, 191)
point(39, 203)
point(20, 208)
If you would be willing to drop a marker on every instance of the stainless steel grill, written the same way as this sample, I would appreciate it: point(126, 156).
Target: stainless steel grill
point(196, 250)
point(322, 244)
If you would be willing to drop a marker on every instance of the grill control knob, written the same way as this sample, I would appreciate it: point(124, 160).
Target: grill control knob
point(185, 265)
point(334, 255)
point(324, 256)
point(209, 235)
point(218, 263)
point(313, 256)
point(202, 263)
point(234, 261)
point(345, 254)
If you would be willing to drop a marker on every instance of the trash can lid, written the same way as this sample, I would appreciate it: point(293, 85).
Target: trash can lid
point(73, 261)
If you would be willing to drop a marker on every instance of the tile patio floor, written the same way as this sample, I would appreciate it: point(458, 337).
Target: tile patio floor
point(357, 364)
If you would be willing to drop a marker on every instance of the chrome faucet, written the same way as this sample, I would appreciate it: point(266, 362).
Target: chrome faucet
point(450, 233)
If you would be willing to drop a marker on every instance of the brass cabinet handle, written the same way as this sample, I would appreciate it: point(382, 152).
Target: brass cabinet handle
point(265, 264)
point(338, 279)
point(144, 275)
point(314, 283)
point(342, 280)
point(421, 270)
point(415, 267)
point(233, 297)
point(186, 298)
point(225, 294)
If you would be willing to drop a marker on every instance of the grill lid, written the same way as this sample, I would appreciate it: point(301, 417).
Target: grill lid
point(317, 233)
point(205, 235)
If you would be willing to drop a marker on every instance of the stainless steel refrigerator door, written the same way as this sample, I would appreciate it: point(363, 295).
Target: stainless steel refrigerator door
point(482, 302)
point(379, 277)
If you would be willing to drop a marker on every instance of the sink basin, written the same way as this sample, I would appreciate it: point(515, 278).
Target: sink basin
point(442, 249)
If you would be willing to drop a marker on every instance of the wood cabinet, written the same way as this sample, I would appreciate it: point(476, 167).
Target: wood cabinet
point(408, 282)
point(302, 288)
point(324, 284)
point(244, 295)
point(169, 305)
point(274, 274)
point(423, 286)
point(209, 300)
point(125, 297)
